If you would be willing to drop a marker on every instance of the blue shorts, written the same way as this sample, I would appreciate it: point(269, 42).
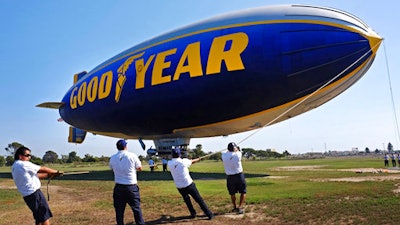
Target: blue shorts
point(236, 184)
point(39, 207)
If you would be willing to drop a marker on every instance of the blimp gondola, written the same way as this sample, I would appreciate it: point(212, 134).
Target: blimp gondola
point(228, 74)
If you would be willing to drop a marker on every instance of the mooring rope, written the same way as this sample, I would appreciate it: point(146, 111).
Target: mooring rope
point(391, 95)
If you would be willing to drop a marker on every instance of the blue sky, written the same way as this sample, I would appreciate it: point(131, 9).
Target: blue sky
point(43, 43)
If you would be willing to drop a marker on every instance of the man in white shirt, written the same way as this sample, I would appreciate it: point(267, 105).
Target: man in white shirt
point(179, 169)
point(26, 177)
point(124, 165)
point(235, 181)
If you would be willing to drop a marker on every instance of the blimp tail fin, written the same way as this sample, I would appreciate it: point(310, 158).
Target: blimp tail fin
point(78, 76)
point(51, 105)
point(76, 135)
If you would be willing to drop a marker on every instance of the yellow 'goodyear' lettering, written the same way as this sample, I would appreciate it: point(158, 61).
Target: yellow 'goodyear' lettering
point(224, 49)
point(193, 67)
point(141, 69)
point(94, 90)
point(233, 61)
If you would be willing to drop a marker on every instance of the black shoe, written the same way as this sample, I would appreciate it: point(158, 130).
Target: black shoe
point(211, 217)
point(192, 216)
point(235, 210)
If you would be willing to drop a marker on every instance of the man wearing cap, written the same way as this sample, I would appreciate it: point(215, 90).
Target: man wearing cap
point(179, 169)
point(235, 181)
point(124, 165)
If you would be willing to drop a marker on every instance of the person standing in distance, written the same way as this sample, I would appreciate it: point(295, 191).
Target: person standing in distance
point(26, 177)
point(386, 160)
point(179, 169)
point(398, 159)
point(164, 164)
point(124, 165)
point(393, 160)
point(235, 181)
point(151, 164)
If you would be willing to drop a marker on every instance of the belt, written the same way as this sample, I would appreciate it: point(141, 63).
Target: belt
point(235, 174)
point(125, 185)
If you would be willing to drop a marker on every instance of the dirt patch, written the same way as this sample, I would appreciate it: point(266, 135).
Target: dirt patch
point(394, 170)
point(372, 170)
point(397, 190)
point(321, 168)
point(297, 168)
point(7, 184)
point(7, 187)
point(382, 174)
point(360, 179)
point(276, 177)
point(251, 214)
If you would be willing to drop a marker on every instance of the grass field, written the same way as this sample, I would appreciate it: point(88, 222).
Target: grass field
point(318, 191)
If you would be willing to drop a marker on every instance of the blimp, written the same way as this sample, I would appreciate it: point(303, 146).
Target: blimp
point(228, 74)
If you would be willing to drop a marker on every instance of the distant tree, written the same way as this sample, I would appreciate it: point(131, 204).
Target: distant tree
point(36, 160)
point(9, 160)
point(248, 152)
point(390, 147)
point(89, 158)
point(73, 157)
point(367, 150)
point(197, 152)
point(64, 158)
point(286, 153)
point(263, 154)
point(216, 156)
point(2, 160)
point(269, 154)
point(104, 159)
point(377, 151)
point(11, 148)
point(251, 153)
point(50, 157)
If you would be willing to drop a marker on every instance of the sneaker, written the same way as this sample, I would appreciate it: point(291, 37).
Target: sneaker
point(240, 211)
point(211, 217)
point(192, 216)
point(235, 210)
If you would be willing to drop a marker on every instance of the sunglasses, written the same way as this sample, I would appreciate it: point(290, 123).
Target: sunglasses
point(27, 155)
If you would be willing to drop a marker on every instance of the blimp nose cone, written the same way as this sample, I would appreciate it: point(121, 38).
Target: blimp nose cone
point(374, 40)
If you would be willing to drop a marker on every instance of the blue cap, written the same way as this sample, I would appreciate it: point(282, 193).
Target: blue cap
point(121, 144)
point(176, 151)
